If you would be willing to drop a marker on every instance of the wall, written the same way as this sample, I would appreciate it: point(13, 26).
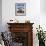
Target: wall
point(33, 13)
point(43, 14)
point(43, 6)
point(0, 15)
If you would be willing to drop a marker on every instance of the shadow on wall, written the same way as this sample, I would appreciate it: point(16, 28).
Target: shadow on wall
point(43, 6)
point(0, 15)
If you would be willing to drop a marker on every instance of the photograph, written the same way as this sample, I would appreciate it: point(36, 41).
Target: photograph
point(20, 9)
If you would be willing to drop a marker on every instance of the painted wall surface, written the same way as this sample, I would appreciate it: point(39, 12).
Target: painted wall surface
point(0, 15)
point(43, 6)
point(43, 14)
point(33, 13)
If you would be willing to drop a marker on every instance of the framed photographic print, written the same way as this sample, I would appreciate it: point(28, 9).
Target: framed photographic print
point(20, 9)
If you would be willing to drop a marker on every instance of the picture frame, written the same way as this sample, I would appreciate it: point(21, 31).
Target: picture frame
point(20, 9)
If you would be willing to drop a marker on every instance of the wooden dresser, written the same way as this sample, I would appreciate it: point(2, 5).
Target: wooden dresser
point(22, 33)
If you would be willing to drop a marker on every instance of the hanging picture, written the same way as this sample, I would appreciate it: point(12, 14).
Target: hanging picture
point(20, 9)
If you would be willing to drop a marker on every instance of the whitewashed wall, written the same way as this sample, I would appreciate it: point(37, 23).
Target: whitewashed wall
point(33, 13)
point(43, 14)
point(0, 15)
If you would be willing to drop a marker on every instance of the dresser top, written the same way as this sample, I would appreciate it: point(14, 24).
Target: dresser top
point(19, 23)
